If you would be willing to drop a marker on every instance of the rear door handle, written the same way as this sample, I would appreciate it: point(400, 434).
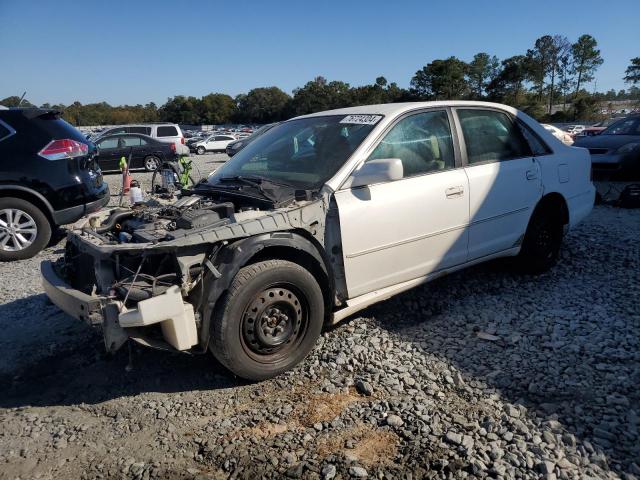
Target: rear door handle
point(453, 192)
point(532, 174)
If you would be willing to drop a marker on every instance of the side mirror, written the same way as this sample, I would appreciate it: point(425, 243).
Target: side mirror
point(378, 171)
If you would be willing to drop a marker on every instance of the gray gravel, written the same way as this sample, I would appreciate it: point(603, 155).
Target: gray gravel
point(484, 373)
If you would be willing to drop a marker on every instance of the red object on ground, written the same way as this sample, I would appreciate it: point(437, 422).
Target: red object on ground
point(126, 181)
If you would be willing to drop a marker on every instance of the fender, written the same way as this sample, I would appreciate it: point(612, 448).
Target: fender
point(30, 191)
point(232, 257)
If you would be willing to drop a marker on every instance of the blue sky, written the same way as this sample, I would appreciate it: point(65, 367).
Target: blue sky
point(140, 51)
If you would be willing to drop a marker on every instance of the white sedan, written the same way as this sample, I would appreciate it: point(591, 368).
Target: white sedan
point(561, 135)
point(213, 143)
point(322, 216)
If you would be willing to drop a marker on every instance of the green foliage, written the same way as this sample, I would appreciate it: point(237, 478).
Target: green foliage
point(632, 74)
point(13, 101)
point(441, 80)
point(481, 71)
point(586, 59)
point(585, 107)
point(262, 105)
point(319, 94)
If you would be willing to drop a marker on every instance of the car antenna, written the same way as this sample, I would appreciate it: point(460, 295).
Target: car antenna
point(21, 98)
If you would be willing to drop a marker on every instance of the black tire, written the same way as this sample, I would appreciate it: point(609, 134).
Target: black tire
point(542, 242)
point(151, 163)
point(9, 249)
point(201, 150)
point(285, 301)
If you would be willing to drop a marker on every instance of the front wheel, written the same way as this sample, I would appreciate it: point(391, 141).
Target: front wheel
point(201, 150)
point(542, 242)
point(269, 319)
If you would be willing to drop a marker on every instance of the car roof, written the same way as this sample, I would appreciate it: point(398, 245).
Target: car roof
point(115, 135)
point(393, 109)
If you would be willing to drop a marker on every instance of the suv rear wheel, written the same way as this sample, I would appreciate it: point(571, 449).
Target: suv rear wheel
point(269, 319)
point(24, 229)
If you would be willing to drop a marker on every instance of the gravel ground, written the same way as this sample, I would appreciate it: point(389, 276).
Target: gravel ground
point(480, 374)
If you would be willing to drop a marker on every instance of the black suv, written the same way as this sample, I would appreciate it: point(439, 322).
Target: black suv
point(48, 177)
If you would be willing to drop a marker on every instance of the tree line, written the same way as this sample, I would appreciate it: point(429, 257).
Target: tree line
point(553, 72)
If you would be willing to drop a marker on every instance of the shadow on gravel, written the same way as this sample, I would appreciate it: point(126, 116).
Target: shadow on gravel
point(69, 364)
point(566, 349)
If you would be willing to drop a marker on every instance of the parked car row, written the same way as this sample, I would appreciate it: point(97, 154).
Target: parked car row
point(615, 151)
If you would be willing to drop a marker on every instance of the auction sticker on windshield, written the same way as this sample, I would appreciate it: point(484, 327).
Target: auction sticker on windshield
point(361, 119)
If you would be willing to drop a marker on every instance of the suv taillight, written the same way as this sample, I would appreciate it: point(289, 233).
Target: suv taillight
point(173, 147)
point(182, 140)
point(66, 148)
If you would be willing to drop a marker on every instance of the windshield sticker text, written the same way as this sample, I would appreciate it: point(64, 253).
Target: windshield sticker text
point(361, 119)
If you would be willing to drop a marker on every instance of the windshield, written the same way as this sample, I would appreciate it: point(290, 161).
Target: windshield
point(628, 126)
point(303, 153)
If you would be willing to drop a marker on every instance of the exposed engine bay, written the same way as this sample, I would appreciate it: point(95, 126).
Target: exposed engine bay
point(134, 265)
point(161, 223)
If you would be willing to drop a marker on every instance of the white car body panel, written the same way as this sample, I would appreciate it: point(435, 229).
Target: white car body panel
point(406, 232)
point(434, 238)
point(501, 198)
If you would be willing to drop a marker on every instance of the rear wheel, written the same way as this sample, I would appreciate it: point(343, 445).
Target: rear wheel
point(542, 242)
point(24, 229)
point(269, 319)
point(151, 163)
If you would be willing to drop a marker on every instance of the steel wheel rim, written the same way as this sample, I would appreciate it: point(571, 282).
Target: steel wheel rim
point(18, 230)
point(274, 323)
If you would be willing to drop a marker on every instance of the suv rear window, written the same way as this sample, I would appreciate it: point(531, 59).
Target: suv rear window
point(55, 127)
point(167, 132)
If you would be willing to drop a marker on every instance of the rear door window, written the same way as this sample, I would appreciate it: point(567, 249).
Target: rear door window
point(491, 136)
point(108, 143)
point(167, 131)
point(131, 141)
point(538, 146)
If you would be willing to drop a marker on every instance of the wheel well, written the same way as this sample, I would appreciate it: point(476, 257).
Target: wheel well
point(555, 203)
point(303, 259)
point(29, 197)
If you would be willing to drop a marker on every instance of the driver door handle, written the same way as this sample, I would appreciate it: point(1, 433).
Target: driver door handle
point(532, 174)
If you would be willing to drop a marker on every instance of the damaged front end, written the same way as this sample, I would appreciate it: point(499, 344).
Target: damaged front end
point(154, 274)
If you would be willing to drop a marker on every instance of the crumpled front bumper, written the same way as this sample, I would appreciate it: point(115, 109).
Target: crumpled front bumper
point(175, 317)
point(84, 307)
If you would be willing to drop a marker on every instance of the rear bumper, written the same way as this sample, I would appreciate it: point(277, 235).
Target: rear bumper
point(580, 205)
point(72, 214)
